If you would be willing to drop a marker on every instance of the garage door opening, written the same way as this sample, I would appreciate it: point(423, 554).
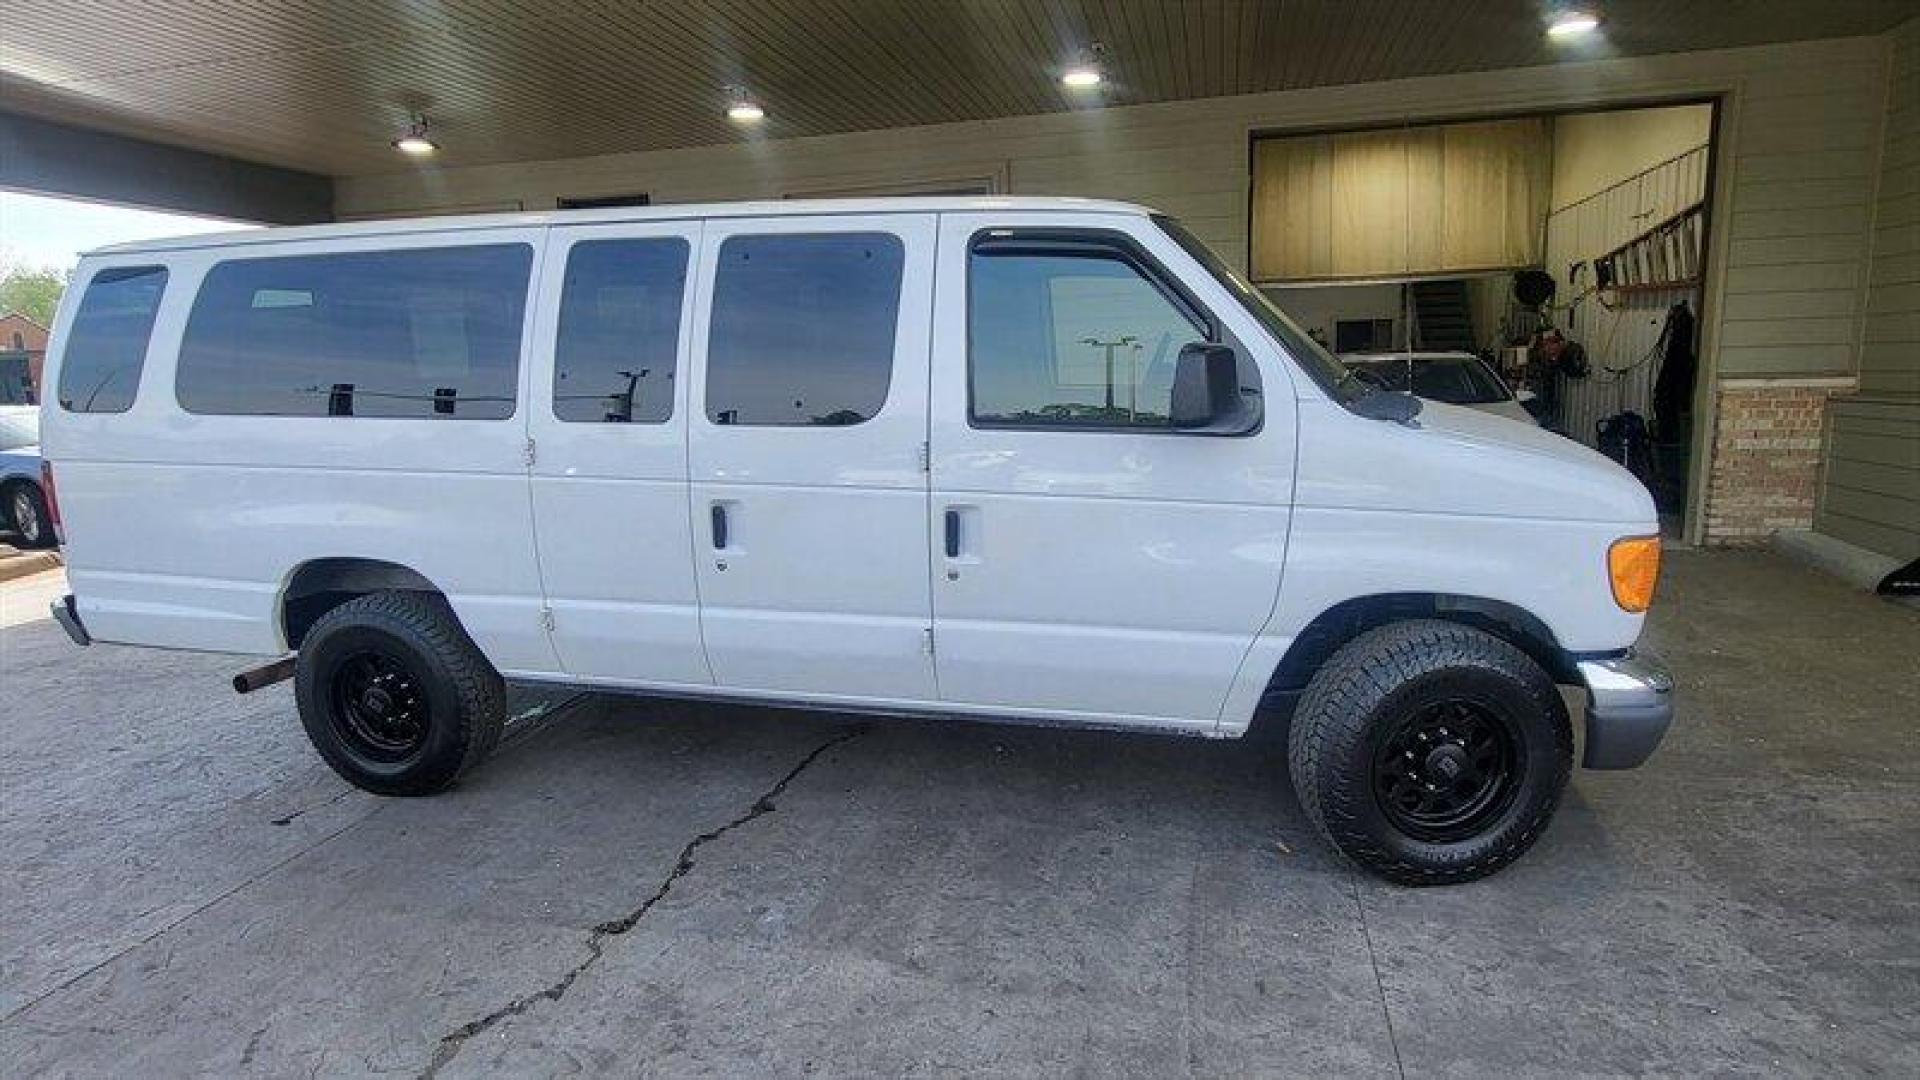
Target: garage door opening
point(1547, 267)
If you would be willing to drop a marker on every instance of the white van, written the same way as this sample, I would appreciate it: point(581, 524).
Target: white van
point(1016, 458)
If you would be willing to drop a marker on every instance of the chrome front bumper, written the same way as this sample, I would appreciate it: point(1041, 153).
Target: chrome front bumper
point(1629, 705)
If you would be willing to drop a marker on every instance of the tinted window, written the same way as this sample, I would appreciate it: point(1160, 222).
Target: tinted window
point(802, 328)
point(1071, 339)
point(107, 343)
point(619, 331)
point(421, 333)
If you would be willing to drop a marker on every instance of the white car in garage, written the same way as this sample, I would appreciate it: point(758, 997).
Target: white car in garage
point(1452, 378)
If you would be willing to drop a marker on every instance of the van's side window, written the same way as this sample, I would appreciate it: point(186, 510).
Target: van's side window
point(619, 331)
point(803, 328)
point(426, 332)
point(1069, 333)
point(107, 343)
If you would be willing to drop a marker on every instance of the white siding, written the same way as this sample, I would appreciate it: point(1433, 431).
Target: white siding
point(1871, 489)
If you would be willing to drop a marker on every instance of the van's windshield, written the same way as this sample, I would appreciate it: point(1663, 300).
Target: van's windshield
point(1313, 357)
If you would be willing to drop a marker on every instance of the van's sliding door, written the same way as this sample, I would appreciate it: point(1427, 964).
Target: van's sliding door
point(607, 417)
point(807, 418)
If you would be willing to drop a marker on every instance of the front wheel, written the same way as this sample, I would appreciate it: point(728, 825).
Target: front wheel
point(1430, 753)
point(395, 696)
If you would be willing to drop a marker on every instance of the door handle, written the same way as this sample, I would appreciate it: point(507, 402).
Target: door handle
point(953, 533)
point(719, 520)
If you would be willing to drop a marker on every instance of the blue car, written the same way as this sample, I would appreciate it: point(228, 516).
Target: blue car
point(23, 506)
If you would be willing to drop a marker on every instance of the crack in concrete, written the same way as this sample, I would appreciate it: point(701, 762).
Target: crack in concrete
point(305, 810)
point(451, 1043)
point(1379, 983)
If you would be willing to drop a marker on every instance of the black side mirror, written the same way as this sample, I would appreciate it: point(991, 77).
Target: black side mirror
point(1206, 392)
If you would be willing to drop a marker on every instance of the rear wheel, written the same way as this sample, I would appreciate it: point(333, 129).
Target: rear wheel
point(1429, 752)
point(26, 511)
point(395, 696)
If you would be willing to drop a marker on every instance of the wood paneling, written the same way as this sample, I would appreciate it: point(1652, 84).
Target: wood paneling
point(324, 86)
point(1295, 176)
point(1397, 201)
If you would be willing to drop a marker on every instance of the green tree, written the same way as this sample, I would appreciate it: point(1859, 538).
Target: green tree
point(31, 291)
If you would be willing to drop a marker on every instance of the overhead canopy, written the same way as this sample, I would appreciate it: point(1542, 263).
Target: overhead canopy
point(324, 88)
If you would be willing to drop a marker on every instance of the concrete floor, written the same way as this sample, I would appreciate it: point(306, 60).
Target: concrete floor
point(653, 889)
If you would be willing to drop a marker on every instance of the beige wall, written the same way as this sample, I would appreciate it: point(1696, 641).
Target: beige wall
point(1318, 307)
point(1803, 120)
point(1594, 151)
point(1794, 193)
point(1871, 490)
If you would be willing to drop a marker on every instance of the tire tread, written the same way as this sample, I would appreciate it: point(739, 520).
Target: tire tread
point(1336, 712)
point(428, 621)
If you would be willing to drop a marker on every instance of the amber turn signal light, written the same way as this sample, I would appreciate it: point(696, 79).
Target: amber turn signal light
point(1633, 565)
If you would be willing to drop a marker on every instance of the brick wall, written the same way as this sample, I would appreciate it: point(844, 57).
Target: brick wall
point(1764, 474)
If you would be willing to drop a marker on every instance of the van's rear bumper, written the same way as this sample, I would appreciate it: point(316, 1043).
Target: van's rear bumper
point(1629, 706)
point(68, 616)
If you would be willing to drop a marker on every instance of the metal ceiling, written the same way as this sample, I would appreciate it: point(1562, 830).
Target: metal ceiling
point(324, 86)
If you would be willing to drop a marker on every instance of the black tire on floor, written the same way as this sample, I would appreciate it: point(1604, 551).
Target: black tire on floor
point(25, 511)
point(395, 696)
point(1410, 719)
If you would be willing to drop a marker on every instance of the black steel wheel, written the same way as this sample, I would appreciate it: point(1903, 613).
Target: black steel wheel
point(1429, 752)
point(1442, 772)
point(378, 706)
point(395, 696)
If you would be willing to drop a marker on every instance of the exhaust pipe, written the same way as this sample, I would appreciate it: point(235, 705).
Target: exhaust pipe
point(265, 675)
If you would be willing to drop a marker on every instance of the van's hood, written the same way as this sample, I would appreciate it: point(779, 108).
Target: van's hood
point(1478, 426)
point(1456, 460)
point(1510, 408)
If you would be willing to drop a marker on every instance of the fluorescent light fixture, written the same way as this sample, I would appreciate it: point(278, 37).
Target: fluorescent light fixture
point(415, 141)
point(1573, 23)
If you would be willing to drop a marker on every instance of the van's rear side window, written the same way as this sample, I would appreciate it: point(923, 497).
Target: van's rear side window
point(107, 343)
point(619, 336)
point(426, 332)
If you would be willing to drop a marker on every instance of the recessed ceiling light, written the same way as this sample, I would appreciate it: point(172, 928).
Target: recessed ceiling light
point(741, 108)
point(415, 141)
point(1085, 72)
point(1573, 24)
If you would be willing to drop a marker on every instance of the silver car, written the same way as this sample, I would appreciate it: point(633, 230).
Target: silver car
point(23, 506)
point(1453, 378)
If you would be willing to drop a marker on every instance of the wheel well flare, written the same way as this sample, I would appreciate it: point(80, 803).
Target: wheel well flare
point(320, 585)
point(1347, 620)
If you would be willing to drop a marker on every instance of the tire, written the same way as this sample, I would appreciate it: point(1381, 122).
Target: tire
point(26, 512)
point(395, 696)
point(1430, 753)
